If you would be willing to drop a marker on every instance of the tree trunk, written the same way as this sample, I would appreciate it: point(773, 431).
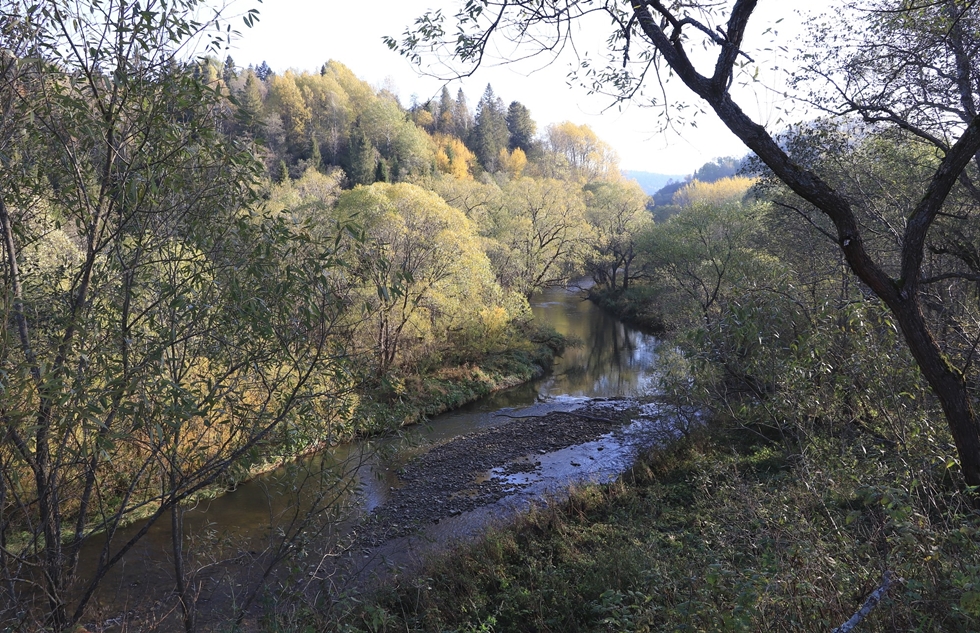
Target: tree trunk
point(947, 383)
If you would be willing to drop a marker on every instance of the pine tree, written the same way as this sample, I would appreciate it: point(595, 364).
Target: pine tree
point(361, 159)
point(462, 120)
point(521, 127)
point(229, 72)
point(490, 133)
point(249, 112)
point(316, 158)
point(381, 171)
point(444, 115)
point(263, 72)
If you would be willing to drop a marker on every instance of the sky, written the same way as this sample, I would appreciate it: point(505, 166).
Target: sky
point(303, 34)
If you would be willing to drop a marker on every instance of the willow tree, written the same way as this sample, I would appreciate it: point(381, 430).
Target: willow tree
point(894, 63)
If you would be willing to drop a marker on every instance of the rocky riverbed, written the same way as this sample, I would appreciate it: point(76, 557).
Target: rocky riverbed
point(456, 487)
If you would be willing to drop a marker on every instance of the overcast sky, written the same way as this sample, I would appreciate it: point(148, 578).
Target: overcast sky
point(303, 34)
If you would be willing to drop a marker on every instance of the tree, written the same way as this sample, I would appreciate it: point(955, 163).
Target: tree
point(286, 99)
point(581, 150)
point(229, 72)
point(263, 72)
point(444, 121)
point(521, 127)
point(249, 113)
point(362, 159)
point(462, 118)
point(717, 192)
point(617, 212)
point(424, 266)
point(902, 66)
point(154, 337)
point(538, 228)
point(490, 132)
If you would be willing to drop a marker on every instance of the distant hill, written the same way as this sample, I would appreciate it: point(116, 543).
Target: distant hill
point(651, 182)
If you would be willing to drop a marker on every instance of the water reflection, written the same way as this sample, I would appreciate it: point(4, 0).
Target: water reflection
point(611, 358)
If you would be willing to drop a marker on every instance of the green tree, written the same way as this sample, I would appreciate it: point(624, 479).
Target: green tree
point(521, 128)
point(444, 120)
point(250, 106)
point(362, 159)
point(462, 118)
point(490, 131)
point(229, 72)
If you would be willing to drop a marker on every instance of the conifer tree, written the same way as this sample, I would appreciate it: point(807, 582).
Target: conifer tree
point(444, 118)
point(229, 72)
point(490, 133)
point(316, 158)
point(462, 120)
point(521, 127)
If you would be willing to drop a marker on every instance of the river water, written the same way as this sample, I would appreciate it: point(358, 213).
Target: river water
point(608, 360)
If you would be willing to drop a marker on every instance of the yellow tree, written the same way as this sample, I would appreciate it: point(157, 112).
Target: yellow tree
point(580, 149)
point(424, 269)
point(453, 157)
point(616, 211)
point(287, 100)
point(538, 229)
point(719, 192)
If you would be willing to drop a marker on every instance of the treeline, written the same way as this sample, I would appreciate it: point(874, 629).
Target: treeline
point(545, 207)
point(331, 119)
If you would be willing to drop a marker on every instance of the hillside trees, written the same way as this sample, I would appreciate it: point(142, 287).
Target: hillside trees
point(156, 333)
point(897, 65)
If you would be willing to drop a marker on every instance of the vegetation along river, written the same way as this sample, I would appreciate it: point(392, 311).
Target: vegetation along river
point(368, 507)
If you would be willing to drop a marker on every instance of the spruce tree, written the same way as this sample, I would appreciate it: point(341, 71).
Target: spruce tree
point(444, 116)
point(520, 126)
point(490, 133)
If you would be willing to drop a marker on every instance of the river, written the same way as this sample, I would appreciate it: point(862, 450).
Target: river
point(609, 360)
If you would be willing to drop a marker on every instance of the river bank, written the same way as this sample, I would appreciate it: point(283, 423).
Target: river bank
point(718, 530)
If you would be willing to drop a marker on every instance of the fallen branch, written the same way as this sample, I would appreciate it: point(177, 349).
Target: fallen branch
point(868, 605)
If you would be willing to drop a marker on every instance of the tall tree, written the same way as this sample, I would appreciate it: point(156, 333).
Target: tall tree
point(462, 118)
point(521, 127)
point(444, 118)
point(490, 132)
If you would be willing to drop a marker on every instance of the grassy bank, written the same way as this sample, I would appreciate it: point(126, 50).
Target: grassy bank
point(411, 395)
point(719, 532)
